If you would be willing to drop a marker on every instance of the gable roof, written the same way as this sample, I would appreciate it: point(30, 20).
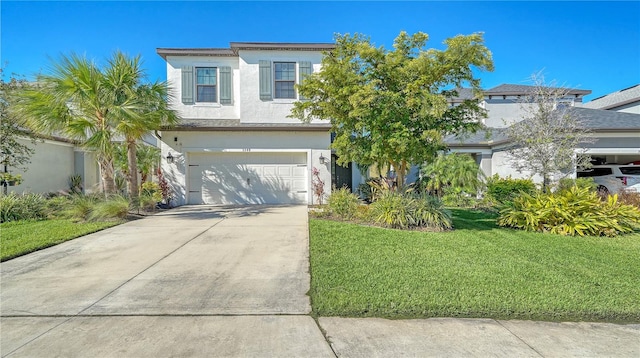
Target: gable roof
point(615, 99)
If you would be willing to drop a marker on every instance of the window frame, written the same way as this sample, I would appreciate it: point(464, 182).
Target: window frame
point(215, 86)
point(276, 81)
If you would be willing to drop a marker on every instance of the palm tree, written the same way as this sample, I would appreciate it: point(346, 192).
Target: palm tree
point(456, 170)
point(141, 108)
point(74, 100)
point(94, 105)
point(148, 158)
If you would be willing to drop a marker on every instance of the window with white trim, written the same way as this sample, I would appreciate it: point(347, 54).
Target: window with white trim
point(206, 84)
point(284, 79)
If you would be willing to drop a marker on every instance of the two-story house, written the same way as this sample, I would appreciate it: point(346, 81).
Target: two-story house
point(615, 132)
point(235, 143)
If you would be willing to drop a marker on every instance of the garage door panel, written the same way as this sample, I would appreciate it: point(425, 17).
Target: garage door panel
point(248, 178)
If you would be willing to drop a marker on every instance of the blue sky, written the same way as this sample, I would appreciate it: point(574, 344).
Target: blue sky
point(588, 45)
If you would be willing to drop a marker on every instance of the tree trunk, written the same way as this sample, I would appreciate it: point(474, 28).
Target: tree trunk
point(106, 171)
point(133, 168)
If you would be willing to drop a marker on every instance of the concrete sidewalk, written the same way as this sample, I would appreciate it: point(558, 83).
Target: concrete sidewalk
point(232, 282)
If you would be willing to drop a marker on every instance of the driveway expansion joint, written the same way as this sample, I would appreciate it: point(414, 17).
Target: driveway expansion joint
point(519, 338)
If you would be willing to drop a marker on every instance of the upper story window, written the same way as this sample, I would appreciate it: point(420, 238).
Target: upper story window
point(277, 80)
point(206, 84)
point(285, 79)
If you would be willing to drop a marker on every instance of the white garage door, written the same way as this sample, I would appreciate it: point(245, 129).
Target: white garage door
point(247, 178)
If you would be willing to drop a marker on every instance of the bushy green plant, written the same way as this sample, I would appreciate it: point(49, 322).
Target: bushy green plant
point(568, 183)
point(505, 190)
point(576, 211)
point(453, 174)
point(152, 190)
point(459, 198)
point(115, 207)
point(57, 206)
point(403, 211)
point(342, 203)
point(81, 207)
point(14, 207)
point(149, 202)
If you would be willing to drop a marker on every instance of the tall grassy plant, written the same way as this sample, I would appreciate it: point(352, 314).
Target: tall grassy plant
point(14, 207)
point(404, 211)
point(115, 207)
point(343, 203)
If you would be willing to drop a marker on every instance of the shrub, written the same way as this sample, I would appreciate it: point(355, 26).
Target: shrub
point(14, 207)
point(402, 211)
point(459, 198)
point(115, 207)
point(81, 207)
point(343, 203)
point(576, 211)
point(505, 190)
point(149, 202)
point(57, 206)
point(152, 190)
point(450, 174)
point(568, 183)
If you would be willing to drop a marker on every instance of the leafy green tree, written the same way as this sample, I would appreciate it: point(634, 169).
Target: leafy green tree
point(391, 106)
point(13, 153)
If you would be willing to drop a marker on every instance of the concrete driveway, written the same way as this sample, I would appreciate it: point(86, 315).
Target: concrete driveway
point(194, 281)
point(232, 282)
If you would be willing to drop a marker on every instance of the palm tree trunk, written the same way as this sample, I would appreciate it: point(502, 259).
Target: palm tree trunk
point(106, 171)
point(133, 168)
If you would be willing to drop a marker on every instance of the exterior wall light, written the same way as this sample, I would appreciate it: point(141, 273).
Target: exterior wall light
point(322, 159)
point(169, 158)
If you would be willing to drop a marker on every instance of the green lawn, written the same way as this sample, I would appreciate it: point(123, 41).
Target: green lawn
point(477, 270)
point(22, 237)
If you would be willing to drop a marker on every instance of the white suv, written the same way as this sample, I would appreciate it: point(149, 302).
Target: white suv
point(612, 178)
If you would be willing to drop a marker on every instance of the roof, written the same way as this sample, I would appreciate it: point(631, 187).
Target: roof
point(514, 90)
point(486, 137)
point(603, 120)
point(237, 46)
point(236, 125)
point(615, 99)
point(463, 94)
point(596, 120)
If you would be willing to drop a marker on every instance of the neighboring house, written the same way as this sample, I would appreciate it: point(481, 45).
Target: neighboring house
point(235, 143)
point(54, 161)
point(616, 134)
point(626, 100)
